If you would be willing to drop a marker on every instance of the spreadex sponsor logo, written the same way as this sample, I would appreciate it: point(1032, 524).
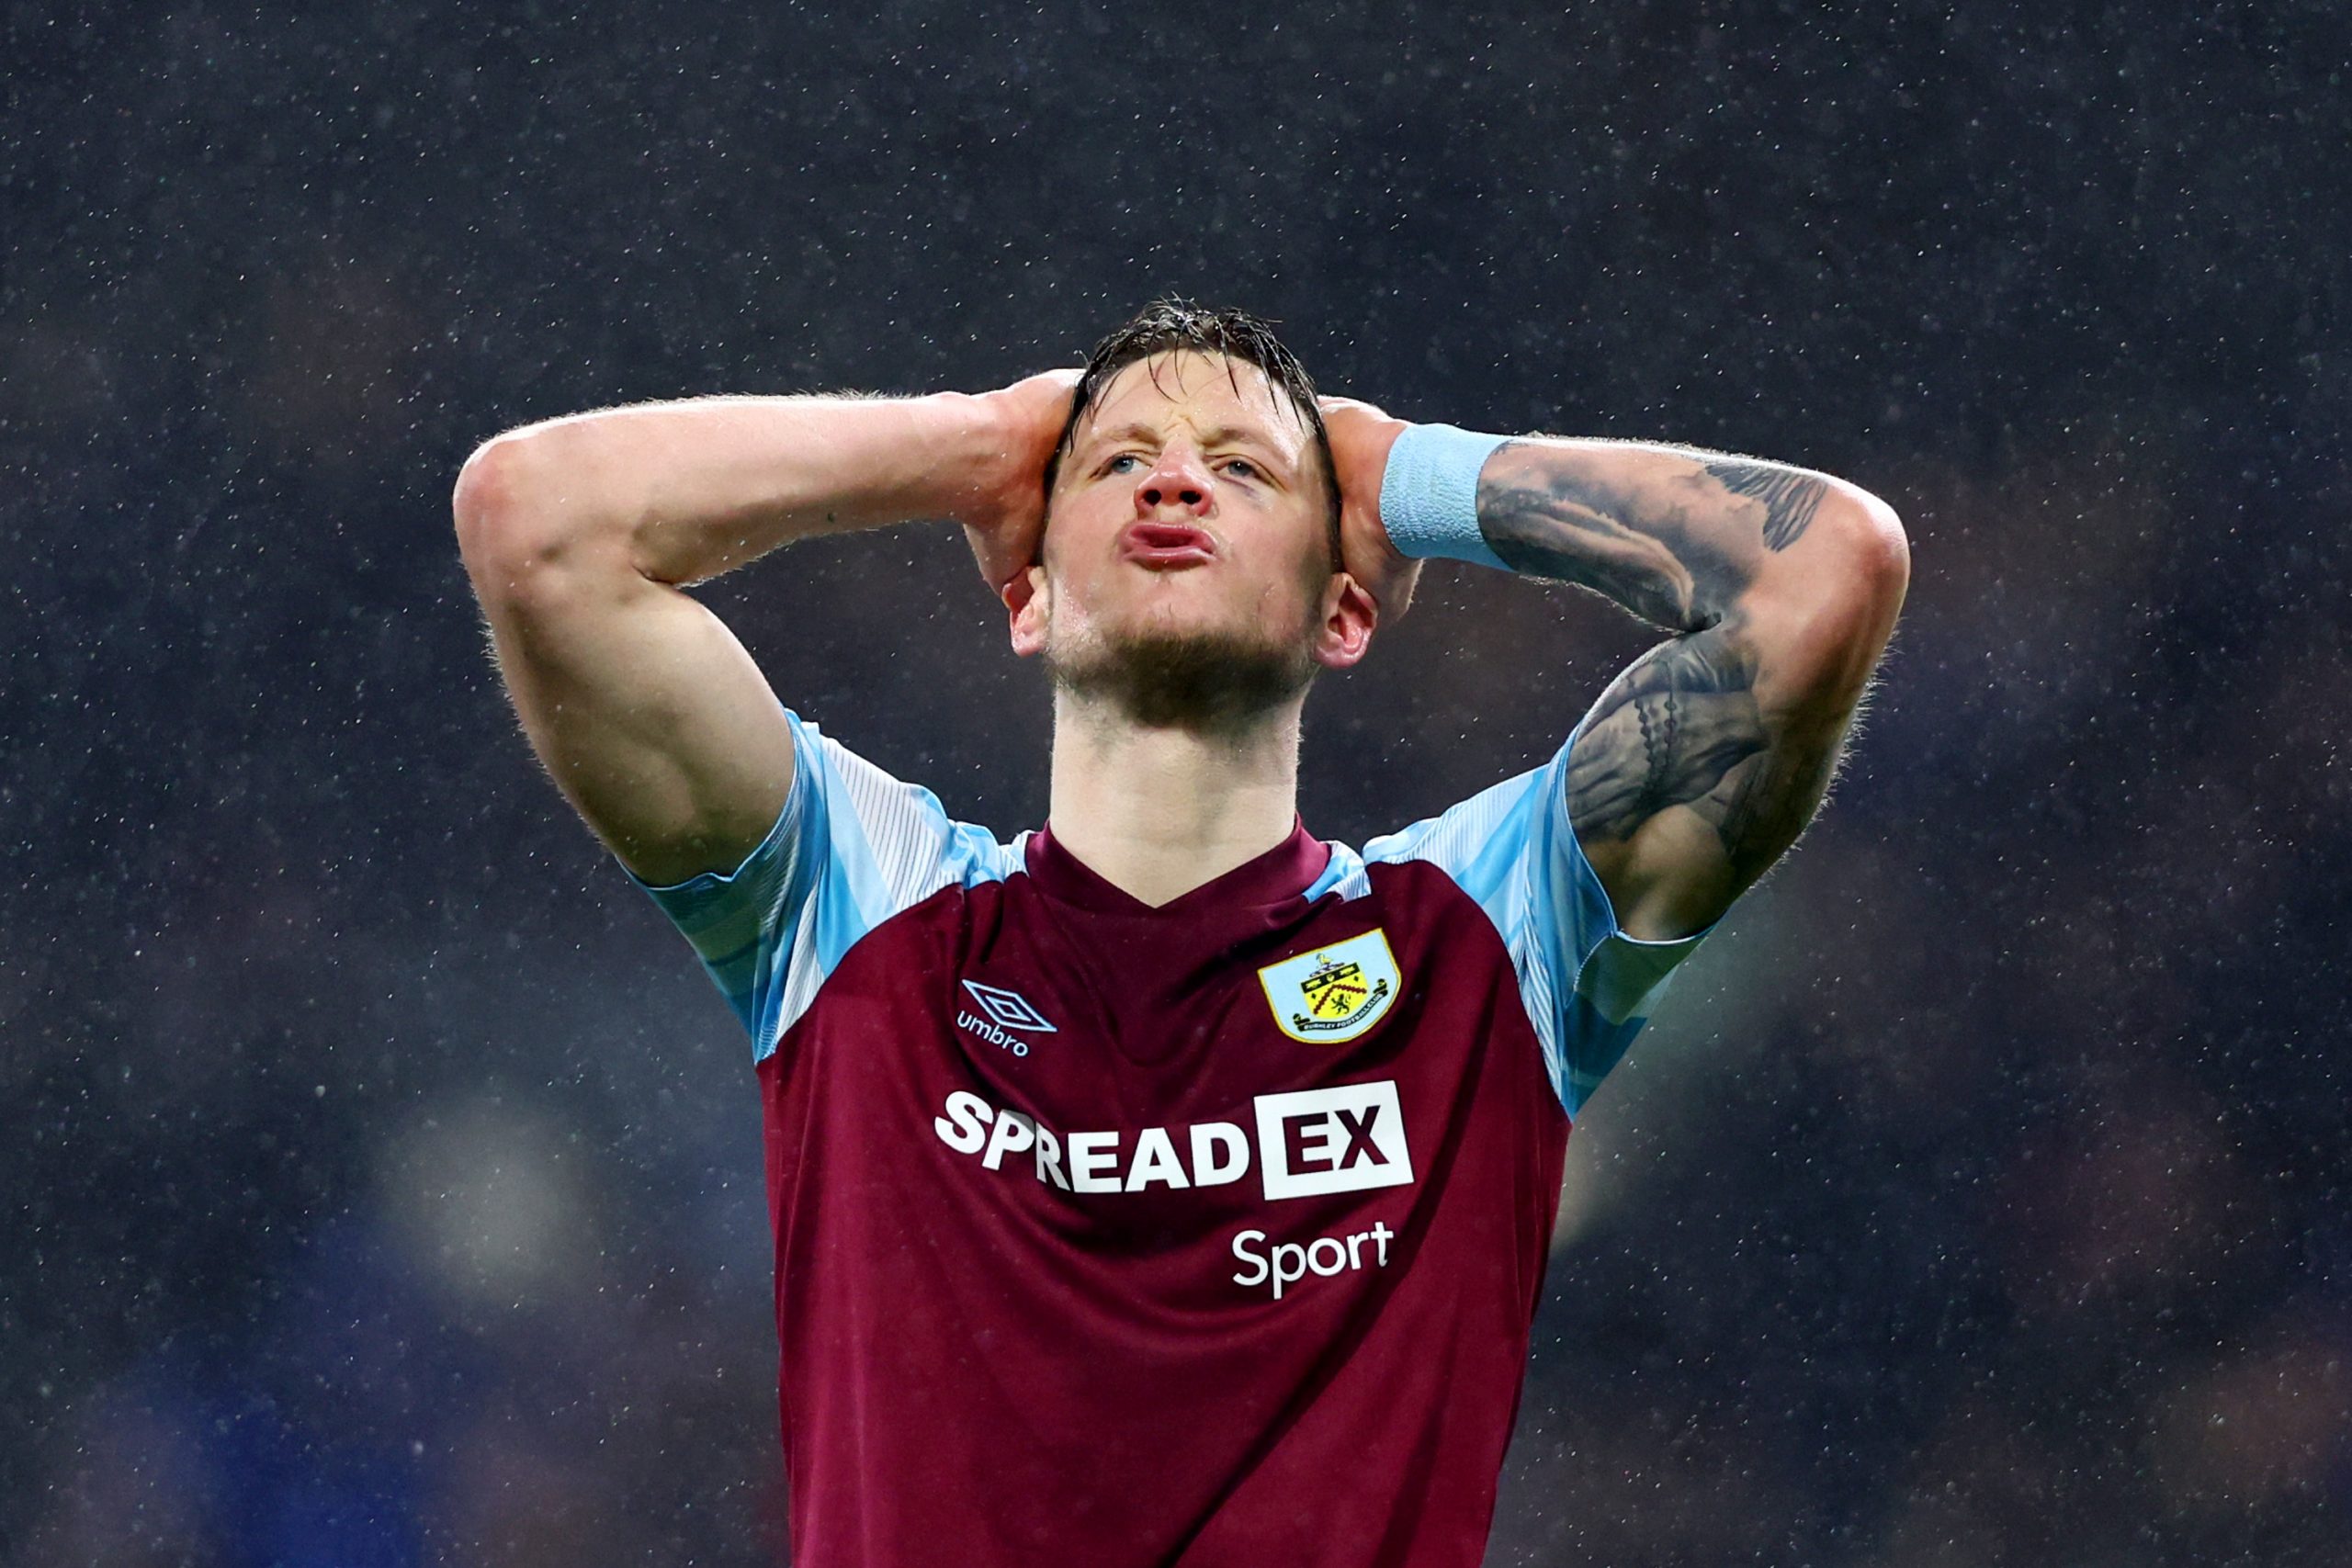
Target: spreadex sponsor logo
point(1346, 1139)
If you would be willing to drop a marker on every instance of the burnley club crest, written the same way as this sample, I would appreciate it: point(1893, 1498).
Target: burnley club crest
point(1331, 994)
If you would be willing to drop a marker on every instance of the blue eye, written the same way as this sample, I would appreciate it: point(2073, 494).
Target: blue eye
point(1113, 466)
point(1249, 470)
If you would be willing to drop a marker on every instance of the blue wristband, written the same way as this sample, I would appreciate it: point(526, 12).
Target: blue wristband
point(1429, 494)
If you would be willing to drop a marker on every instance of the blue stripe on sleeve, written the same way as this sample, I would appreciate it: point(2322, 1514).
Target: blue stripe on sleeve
point(1589, 986)
point(851, 847)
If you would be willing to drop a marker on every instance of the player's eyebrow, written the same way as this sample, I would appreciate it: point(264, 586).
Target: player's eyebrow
point(1217, 436)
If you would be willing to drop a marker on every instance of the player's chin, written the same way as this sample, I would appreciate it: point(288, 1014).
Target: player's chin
point(1215, 619)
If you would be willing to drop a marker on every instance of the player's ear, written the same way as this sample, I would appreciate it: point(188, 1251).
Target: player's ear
point(1026, 600)
point(1350, 617)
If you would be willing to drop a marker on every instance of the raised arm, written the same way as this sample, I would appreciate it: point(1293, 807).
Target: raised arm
point(1705, 759)
point(581, 534)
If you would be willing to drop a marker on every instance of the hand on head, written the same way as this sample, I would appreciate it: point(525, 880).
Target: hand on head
point(1005, 517)
point(1360, 438)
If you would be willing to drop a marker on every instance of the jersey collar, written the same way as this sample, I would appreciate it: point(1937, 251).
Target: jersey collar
point(1282, 874)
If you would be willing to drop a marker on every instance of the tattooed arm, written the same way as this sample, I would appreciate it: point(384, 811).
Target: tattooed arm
point(1706, 757)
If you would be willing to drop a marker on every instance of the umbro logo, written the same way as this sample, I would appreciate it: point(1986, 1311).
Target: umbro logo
point(1008, 1016)
point(1008, 1009)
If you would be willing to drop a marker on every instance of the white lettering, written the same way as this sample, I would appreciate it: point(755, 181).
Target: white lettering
point(1208, 1138)
point(960, 1128)
point(1091, 1153)
point(1257, 1260)
point(1155, 1161)
point(1346, 1139)
point(1290, 1266)
point(1287, 1262)
point(1013, 1134)
point(1049, 1160)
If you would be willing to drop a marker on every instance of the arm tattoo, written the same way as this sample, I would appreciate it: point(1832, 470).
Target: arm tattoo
point(1677, 536)
point(1790, 496)
point(1681, 727)
point(1669, 732)
point(1564, 526)
point(1671, 534)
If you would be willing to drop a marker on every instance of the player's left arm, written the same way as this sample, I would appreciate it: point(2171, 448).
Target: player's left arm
point(1705, 759)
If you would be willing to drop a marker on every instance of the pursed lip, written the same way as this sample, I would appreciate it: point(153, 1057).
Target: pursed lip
point(1165, 547)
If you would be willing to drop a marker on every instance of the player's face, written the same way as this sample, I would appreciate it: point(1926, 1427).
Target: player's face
point(1192, 507)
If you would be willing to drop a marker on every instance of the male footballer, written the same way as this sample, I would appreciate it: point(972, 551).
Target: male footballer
point(1167, 1185)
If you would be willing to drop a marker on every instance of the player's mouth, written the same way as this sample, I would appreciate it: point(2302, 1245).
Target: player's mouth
point(1166, 546)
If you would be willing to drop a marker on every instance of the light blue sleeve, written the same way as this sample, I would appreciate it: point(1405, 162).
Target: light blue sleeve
point(851, 847)
point(1589, 986)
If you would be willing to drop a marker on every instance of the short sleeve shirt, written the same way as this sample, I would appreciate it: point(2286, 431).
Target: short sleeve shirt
point(1208, 1233)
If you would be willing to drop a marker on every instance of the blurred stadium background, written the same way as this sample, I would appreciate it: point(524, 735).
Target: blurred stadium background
point(379, 1178)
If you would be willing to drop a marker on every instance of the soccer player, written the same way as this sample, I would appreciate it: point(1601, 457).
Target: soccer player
point(1168, 1185)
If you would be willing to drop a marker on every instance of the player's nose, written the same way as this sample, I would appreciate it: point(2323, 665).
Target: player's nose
point(1177, 479)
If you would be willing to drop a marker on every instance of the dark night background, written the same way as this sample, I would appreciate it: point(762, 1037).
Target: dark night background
point(379, 1174)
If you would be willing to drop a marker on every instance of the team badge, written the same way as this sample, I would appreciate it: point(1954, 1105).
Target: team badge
point(1331, 994)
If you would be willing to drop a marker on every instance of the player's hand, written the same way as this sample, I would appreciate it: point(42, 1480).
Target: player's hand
point(1360, 438)
point(1005, 516)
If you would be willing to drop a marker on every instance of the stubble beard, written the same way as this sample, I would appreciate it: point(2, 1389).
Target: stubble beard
point(1220, 683)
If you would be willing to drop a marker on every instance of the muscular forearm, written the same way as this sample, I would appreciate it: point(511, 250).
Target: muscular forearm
point(1702, 763)
point(1784, 584)
point(1675, 534)
point(685, 491)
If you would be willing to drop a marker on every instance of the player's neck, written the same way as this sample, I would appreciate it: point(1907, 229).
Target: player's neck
point(1158, 812)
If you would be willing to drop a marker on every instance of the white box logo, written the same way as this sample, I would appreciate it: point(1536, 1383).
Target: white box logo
point(1344, 1139)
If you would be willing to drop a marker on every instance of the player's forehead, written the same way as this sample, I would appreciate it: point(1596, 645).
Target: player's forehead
point(1201, 393)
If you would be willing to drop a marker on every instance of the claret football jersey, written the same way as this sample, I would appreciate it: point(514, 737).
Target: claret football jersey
point(1207, 1234)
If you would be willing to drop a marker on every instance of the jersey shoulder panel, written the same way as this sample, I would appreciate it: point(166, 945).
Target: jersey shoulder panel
point(1589, 986)
point(851, 847)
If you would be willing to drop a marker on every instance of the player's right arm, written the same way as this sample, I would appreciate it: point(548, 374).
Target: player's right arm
point(582, 533)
